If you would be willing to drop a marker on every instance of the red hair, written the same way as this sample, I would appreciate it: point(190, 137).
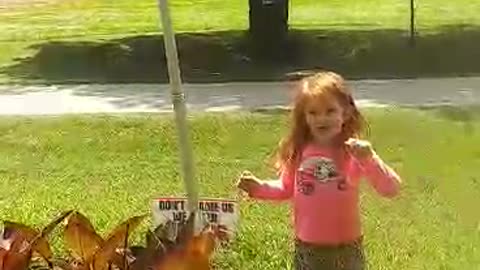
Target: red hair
point(323, 86)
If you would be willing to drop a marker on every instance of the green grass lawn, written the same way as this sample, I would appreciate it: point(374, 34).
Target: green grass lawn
point(111, 167)
point(89, 19)
point(357, 26)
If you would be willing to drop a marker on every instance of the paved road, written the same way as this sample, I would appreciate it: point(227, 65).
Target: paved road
point(126, 98)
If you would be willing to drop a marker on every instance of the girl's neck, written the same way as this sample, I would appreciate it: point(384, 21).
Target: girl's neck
point(329, 146)
point(335, 148)
point(335, 144)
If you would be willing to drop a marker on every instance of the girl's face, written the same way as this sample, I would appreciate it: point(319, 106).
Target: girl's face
point(325, 118)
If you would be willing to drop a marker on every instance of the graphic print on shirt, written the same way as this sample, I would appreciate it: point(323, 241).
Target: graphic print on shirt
point(317, 169)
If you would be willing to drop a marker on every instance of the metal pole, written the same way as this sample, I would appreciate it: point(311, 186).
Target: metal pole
point(178, 99)
point(412, 23)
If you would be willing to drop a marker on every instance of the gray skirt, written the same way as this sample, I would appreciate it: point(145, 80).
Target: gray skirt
point(342, 257)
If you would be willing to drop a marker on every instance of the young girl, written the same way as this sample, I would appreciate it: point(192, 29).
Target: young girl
point(321, 162)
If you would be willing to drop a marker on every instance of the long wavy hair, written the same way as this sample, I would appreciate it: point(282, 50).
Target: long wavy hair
point(324, 87)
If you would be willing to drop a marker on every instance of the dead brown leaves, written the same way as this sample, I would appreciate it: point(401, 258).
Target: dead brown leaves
point(169, 247)
point(19, 241)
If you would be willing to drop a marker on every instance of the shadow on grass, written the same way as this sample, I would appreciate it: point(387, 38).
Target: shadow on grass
point(228, 56)
point(462, 114)
point(467, 116)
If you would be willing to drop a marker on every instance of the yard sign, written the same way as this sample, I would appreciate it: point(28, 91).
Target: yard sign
point(221, 214)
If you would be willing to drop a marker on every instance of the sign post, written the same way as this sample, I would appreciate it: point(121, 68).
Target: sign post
point(221, 214)
point(178, 99)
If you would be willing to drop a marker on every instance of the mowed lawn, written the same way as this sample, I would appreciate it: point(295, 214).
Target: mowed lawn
point(94, 19)
point(110, 168)
point(358, 25)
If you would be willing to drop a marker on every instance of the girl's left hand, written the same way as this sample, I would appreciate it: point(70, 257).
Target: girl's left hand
point(360, 149)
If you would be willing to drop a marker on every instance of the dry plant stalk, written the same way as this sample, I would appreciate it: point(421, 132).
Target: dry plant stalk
point(177, 248)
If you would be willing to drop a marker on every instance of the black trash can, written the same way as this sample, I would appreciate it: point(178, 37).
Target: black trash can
point(268, 24)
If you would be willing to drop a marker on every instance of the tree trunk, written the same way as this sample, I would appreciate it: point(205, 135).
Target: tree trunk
point(268, 20)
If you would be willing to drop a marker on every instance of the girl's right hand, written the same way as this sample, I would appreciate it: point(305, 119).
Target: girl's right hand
point(248, 182)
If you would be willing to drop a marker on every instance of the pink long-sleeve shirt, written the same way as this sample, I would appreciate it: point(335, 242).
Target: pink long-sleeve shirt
point(324, 193)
